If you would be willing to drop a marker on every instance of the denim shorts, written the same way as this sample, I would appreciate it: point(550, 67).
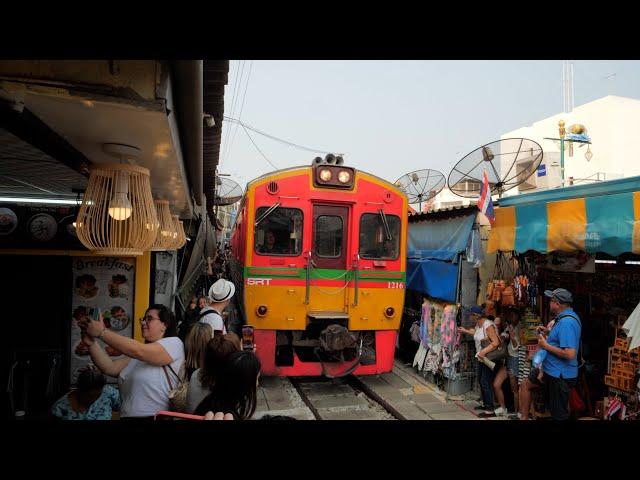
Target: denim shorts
point(512, 365)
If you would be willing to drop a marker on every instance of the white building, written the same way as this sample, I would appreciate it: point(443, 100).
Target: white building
point(226, 218)
point(612, 124)
point(446, 199)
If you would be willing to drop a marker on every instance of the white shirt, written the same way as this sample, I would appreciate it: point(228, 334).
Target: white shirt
point(480, 334)
point(513, 351)
point(144, 388)
point(213, 319)
point(196, 392)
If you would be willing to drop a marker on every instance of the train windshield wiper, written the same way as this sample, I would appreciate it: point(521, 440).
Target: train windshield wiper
point(269, 211)
point(385, 224)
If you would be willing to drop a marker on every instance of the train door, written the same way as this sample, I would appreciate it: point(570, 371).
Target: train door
point(329, 259)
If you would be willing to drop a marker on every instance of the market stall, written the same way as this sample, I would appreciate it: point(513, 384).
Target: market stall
point(585, 239)
point(442, 283)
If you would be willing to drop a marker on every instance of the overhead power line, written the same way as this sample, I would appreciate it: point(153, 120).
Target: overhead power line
point(235, 131)
point(286, 142)
point(258, 148)
point(236, 90)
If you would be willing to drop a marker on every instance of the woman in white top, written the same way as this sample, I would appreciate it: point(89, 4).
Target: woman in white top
point(484, 329)
point(145, 372)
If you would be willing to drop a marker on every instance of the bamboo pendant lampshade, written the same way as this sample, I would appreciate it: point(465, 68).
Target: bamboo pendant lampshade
point(181, 238)
point(117, 216)
point(166, 234)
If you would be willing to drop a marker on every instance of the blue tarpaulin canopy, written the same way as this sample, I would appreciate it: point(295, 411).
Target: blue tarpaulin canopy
point(434, 278)
point(441, 239)
point(433, 249)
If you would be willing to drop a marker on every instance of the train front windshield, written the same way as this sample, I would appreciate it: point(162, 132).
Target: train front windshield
point(280, 233)
point(378, 240)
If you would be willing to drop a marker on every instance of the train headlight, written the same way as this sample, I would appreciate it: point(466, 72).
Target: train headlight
point(344, 176)
point(325, 175)
point(261, 311)
point(389, 311)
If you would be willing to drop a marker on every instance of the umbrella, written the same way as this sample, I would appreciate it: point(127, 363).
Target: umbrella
point(632, 328)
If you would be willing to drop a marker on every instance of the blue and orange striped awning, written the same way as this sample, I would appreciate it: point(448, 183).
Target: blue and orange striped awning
point(603, 217)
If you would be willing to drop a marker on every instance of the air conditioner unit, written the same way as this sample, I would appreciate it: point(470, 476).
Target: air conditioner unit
point(525, 171)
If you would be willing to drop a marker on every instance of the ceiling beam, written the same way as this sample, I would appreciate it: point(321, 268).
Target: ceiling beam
point(29, 128)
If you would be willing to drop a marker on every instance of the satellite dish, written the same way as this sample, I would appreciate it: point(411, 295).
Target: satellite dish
point(421, 185)
point(508, 163)
point(227, 192)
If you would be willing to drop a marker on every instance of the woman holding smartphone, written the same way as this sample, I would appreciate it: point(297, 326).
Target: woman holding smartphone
point(149, 370)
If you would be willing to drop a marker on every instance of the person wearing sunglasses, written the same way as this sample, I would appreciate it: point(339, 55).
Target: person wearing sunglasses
point(148, 371)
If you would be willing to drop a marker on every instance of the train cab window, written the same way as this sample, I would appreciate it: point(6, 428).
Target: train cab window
point(379, 236)
point(279, 232)
point(328, 241)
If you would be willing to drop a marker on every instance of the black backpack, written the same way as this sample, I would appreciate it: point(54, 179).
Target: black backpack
point(187, 324)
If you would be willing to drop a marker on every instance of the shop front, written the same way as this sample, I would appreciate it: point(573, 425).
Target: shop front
point(48, 283)
point(585, 239)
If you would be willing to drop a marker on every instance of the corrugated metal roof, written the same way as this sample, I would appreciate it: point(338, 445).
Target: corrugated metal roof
point(446, 212)
point(215, 77)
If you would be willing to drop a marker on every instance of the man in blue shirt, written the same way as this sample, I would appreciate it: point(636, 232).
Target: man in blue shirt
point(560, 366)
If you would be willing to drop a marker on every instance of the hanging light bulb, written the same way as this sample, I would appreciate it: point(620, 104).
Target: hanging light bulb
point(120, 207)
point(109, 224)
point(588, 154)
point(165, 239)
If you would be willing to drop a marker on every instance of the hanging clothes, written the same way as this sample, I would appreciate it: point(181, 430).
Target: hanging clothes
point(448, 328)
point(524, 364)
point(419, 358)
point(425, 320)
point(434, 359)
point(435, 332)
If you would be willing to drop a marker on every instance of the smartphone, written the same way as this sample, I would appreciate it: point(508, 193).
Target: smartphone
point(94, 313)
point(247, 337)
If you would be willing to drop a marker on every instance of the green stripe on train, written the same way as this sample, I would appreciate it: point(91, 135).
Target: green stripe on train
point(321, 274)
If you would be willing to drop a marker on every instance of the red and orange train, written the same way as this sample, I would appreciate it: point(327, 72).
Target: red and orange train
point(319, 259)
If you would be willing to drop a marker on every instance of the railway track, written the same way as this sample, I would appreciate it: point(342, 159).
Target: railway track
point(345, 398)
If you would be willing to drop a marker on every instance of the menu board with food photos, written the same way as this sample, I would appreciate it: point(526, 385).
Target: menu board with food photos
point(107, 284)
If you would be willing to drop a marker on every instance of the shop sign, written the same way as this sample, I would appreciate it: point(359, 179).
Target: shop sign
point(542, 170)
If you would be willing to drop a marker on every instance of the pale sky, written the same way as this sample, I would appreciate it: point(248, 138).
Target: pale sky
point(394, 117)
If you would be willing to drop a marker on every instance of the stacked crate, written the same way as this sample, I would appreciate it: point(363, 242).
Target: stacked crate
point(623, 364)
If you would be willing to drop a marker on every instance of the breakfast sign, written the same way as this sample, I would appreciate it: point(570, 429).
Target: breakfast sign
point(104, 283)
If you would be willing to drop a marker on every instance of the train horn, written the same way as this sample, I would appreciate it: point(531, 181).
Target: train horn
point(318, 161)
point(330, 159)
point(339, 160)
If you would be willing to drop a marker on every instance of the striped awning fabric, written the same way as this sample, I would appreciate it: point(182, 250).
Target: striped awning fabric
point(607, 223)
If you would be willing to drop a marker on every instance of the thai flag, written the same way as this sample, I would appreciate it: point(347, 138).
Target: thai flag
point(485, 204)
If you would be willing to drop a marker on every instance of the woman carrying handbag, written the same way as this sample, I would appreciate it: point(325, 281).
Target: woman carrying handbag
point(486, 340)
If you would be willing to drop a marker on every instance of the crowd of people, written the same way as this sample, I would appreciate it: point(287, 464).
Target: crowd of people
point(555, 364)
point(220, 378)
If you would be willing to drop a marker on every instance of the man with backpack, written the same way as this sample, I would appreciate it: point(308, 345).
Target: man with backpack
point(219, 297)
point(560, 366)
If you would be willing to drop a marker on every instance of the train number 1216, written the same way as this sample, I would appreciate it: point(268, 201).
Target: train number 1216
point(399, 285)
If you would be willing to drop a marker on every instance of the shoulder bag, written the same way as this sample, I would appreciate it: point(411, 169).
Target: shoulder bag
point(499, 352)
point(177, 395)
